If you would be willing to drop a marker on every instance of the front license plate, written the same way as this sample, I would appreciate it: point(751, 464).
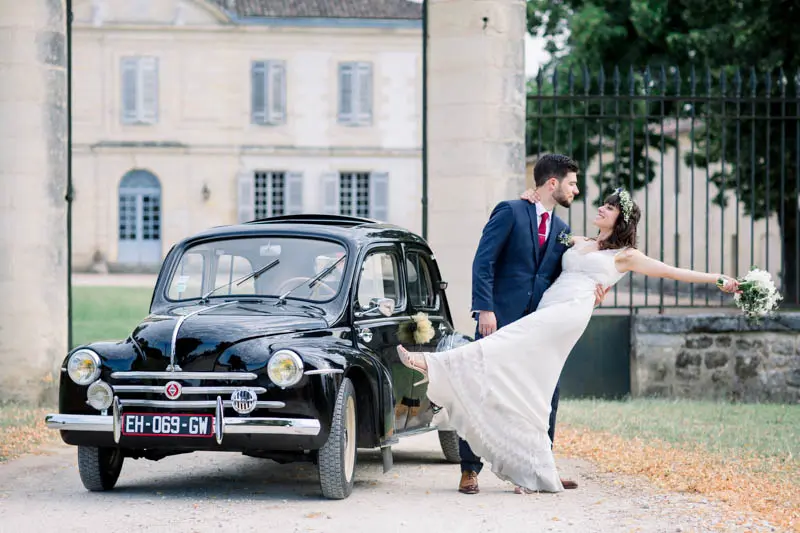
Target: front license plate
point(172, 425)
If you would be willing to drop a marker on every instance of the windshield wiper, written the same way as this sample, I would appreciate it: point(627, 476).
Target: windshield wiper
point(312, 282)
point(239, 281)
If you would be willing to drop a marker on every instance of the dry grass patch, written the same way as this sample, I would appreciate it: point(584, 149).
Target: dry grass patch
point(743, 455)
point(22, 429)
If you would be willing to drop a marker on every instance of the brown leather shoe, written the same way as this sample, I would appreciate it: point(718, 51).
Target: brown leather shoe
point(469, 483)
point(569, 484)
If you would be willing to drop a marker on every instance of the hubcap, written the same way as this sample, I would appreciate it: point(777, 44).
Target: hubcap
point(349, 439)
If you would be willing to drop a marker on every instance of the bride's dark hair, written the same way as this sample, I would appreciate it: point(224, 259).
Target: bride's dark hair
point(624, 233)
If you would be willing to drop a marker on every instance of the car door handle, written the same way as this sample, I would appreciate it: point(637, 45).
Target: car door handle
point(365, 334)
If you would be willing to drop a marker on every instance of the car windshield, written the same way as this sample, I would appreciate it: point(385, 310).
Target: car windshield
point(213, 265)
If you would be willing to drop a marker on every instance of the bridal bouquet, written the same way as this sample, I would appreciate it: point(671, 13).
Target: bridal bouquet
point(758, 296)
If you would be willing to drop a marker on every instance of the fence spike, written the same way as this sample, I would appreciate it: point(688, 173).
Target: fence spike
point(692, 81)
point(601, 80)
point(753, 81)
point(782, 82)
point(587, 79)
point(631, 80)
point(677, 81)
point(616, 80)
point(737, 82)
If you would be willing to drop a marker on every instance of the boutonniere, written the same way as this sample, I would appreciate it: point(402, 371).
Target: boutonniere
point(419, 329)
point(565, 238)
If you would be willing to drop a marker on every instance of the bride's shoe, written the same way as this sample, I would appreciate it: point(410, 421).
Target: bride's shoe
point(408, 359)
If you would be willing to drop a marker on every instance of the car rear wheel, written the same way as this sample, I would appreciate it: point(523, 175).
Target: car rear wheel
point(337, 458)
point(99, 467)
point(448, 440)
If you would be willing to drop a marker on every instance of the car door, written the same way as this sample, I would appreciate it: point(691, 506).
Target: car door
point(380, 278)
point(427, 316)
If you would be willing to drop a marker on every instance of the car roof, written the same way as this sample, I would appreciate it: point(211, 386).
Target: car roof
point(357, 231)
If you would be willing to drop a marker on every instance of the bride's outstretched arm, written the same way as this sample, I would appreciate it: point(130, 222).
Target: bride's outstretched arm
point(635, 261)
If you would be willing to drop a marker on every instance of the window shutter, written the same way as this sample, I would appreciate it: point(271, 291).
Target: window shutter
point(128, 82)
point(346, 93)
point(330, 194)
point(364, 116)
point(148, 70)
point(258, 91)
point(277, 92)
point(293, 193)
point(379, 196)
point(245, 197)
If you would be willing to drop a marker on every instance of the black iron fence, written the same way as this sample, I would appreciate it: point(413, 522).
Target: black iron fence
point(711, 156)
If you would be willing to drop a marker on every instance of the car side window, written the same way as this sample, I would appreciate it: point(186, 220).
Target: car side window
point(188, 280)
point(379, 278)
point(419, 282)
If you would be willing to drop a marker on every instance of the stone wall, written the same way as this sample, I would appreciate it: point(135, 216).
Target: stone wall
point(716, 357)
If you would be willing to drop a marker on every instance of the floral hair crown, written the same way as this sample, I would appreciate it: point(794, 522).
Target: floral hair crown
point(625, 202)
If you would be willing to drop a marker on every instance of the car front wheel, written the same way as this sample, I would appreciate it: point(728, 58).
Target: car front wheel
point(99, 467)
point(337, 458)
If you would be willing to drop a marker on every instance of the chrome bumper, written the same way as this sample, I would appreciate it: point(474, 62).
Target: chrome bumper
point(229, 426)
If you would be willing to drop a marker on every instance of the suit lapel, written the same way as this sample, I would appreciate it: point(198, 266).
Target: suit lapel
point(555, 229)
point(533, 216)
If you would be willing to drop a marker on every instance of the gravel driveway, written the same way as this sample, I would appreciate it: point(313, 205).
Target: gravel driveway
point(229, 492)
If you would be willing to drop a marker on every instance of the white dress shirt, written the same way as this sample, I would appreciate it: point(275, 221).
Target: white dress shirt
point(539, 210)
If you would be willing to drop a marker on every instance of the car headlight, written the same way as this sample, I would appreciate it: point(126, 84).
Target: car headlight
point(84, 367)
point(99, 395)
point(285, 368)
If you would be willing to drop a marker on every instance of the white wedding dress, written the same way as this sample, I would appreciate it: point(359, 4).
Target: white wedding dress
point(497, 390)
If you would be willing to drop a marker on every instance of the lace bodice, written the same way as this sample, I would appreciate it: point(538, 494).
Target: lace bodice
point(583, 268)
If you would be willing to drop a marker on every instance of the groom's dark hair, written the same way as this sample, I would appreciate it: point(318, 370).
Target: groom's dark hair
point(553, 166)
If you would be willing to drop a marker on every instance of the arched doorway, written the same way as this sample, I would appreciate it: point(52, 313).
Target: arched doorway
point(139, 219)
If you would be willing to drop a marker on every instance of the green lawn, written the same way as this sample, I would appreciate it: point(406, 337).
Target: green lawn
point(107, 313)
point(768, 430)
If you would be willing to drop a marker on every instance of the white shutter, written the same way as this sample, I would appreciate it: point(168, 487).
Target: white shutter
point(129, 80)
point(293, 193)
point(276, 100)
point(330, 194)
point(148, 71)
point(379, 196)
point(346, 93)
point(246, 197)
point(258, 92)
point(364, 114)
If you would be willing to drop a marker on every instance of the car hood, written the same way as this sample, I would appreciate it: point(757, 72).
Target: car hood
point(208, 336)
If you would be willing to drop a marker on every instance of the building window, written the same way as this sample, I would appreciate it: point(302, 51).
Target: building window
point(139, 90)
point(355, 94)
point(359, 194)
point(268, 92)
point(271, 193)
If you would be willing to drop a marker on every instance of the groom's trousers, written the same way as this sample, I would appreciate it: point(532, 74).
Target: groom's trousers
point(471, 462)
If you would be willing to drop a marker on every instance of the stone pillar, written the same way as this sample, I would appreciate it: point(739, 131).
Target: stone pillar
point(476, 129)
point(33, 177)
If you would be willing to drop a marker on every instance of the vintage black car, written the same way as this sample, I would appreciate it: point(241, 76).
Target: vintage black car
point(275, 338)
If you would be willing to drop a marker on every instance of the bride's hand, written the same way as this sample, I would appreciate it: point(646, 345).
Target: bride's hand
point(727, 284)
point(531, 195)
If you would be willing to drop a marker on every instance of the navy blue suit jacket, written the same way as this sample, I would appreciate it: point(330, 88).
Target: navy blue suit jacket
point(510, 272)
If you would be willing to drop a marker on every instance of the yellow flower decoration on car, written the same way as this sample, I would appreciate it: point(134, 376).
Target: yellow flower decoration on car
point(418, 330)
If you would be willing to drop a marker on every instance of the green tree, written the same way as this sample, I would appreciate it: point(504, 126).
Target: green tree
point(685, 45)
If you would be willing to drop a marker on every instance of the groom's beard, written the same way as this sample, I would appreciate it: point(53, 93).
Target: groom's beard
point(561, 199)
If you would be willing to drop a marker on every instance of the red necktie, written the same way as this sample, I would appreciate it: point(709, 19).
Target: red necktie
point(543, 229)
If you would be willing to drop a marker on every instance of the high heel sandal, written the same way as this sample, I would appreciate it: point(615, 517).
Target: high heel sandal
point(409, 361)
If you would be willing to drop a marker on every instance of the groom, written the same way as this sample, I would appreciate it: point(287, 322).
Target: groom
point(518, 258)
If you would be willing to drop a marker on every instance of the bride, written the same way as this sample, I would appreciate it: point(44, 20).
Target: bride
point(497, 390)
